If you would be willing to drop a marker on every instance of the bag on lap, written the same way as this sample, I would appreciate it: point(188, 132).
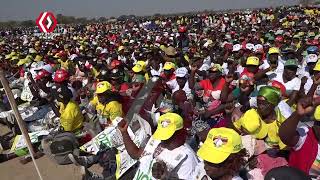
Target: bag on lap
point(61, 145)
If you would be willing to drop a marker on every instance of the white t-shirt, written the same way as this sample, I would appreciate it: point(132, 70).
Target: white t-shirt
point(183, 158)
point(293, 85)
point(174, 86)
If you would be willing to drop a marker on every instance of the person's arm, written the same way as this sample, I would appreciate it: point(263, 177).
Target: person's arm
point(225, 90)
point(192, 76)
point(287, 131)
point(259, 75)
point(217, 110)
point(53, 107)
point(293, 97)
point(134, 151)
point(314, 86)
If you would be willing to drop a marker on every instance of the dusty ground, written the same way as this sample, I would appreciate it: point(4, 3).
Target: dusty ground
point(14, 170)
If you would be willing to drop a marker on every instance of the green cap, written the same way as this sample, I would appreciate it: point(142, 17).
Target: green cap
point(272, 94)
point(291, 62)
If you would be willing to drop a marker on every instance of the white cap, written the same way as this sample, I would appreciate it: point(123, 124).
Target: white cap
point(37, 65)
point(257, 47)
point(250, 46)
point(312, 58)
point(48, 68)
point(181, 72)
point(73, 56)
point(236, 47)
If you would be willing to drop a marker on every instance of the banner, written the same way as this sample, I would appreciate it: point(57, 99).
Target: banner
point(139, 131)
point(20, 143)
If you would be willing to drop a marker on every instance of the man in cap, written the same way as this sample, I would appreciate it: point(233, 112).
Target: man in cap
point(167, 145)
point(181, 82)
point(222, 147)
point(289, 80)
point(71, 118)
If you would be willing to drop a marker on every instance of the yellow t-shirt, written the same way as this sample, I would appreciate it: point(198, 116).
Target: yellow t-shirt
point(71, 117)
point(65, 65)
point(272, 139)
point(110, 111)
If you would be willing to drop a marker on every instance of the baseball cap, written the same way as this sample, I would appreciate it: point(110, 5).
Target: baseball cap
point(103, 87)
point(170, 51)
point(121, 48)
point(317, 67)
point(169, 65)
point(215, 68)
point(311, 58)
point(41, 74)
point(181, 72)
point(38, 58)
point(168, 124)
point(250, 46)
point(252, 60)
point(140, 66)
point(252, 122)
point(236, 47)
point(274, 50)
point(291, 62)
point(220, 143)
point(317, 113)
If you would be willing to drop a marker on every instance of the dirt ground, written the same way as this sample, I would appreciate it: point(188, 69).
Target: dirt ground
point(14, 170)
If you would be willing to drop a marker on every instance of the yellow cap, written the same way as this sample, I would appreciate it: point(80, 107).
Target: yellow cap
point(9, 56)
point(317, 66)
point(140, 66)
point(24, 61)
point(169, 65)
point(252, 123)
point(317, 113)
point(162, 47)
point(121, 48)
point(14, 58)
point(220, 143)
point(103, 87)
point(274, 50)
point(168, 124)
point(38, 58)
point(253, 60)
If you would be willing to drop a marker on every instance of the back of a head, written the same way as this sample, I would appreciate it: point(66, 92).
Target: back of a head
point(286, 173)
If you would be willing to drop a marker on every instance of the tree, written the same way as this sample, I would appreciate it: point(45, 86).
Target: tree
point(28, 23)
point(102, 19)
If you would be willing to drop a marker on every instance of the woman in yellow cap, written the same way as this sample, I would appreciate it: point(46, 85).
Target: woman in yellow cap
point(106, 103)
point(264, 122)
point(219, 152)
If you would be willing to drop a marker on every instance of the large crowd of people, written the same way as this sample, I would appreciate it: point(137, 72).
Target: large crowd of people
point(228, 96)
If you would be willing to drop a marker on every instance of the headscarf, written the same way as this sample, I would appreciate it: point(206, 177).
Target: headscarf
point(271, 94)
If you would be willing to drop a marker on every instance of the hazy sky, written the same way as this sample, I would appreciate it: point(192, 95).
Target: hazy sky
point(30, 9)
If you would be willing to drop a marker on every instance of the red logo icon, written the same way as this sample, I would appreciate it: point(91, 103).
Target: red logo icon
point(46, 22)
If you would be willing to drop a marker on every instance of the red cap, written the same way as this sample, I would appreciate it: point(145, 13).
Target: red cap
point(43, 73)
point(279, 38)
point(60, 75)
point(182, 29)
